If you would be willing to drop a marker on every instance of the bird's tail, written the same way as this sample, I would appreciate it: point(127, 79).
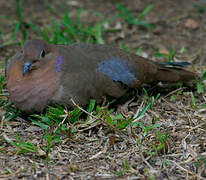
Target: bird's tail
point(174, 72)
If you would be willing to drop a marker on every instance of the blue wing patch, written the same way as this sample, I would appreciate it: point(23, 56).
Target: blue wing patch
point(117, 70)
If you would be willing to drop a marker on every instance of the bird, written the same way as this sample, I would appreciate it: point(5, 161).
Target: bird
point(42, 73)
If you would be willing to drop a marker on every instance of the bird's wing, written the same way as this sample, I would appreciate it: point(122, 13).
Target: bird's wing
point(118, 65)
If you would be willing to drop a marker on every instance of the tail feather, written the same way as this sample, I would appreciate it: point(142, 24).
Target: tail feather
point(179, 64)
point(175, 74)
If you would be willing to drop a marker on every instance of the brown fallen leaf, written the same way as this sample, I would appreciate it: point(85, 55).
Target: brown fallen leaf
point(191, 24)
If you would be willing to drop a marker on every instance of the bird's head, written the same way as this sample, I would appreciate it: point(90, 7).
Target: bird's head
point(35, 54)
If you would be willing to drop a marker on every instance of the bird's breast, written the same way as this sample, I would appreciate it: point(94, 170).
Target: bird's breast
point(33, 91)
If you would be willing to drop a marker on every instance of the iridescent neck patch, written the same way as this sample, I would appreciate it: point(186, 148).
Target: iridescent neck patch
point(58, 63)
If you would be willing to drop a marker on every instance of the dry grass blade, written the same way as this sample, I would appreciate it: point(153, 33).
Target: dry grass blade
point(186, 170)
point(62, 122)
point(97, 118)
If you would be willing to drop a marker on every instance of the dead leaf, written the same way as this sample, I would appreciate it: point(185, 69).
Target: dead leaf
point(191, 24)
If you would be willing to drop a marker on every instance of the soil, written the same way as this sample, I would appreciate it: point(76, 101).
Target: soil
point(89, 154)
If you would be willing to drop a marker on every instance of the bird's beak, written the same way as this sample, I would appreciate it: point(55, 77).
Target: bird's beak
point(27, 66)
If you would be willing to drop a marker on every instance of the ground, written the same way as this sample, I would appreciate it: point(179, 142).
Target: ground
point(165, 141)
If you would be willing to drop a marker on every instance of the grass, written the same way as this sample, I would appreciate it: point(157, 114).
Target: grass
point(22, 25)
point(22, 147)
point(127, 16)
point(145, 129)
point(66, 31)
point(200, 84)
point(168, 57)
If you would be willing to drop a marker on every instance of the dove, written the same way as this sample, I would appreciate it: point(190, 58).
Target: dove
point(43, 73)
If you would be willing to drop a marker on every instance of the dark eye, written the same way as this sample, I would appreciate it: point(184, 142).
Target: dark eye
point(42, 54)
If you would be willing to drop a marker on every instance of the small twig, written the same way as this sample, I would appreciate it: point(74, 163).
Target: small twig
point(190, 120)
point(170, 104)
point(176, 90)
point(47, 176)
point(138, 110)
point(145, 161)
point(90, 127)
point(156, 114)
point(199, 125)
point(9, 44)
point(62, 122)
point(2, 122)
point(194, 157)
point(80, 108)
point(97, 118)
point(186, 170)
point(97, 155)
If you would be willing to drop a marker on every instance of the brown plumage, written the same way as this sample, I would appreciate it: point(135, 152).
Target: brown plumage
point(44, 73)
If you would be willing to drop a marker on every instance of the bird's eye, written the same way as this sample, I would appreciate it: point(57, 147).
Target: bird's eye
point(42, 54)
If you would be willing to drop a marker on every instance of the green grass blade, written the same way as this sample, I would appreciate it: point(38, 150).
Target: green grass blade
point(146, 11)
point(16, 30)
point(19, 9)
